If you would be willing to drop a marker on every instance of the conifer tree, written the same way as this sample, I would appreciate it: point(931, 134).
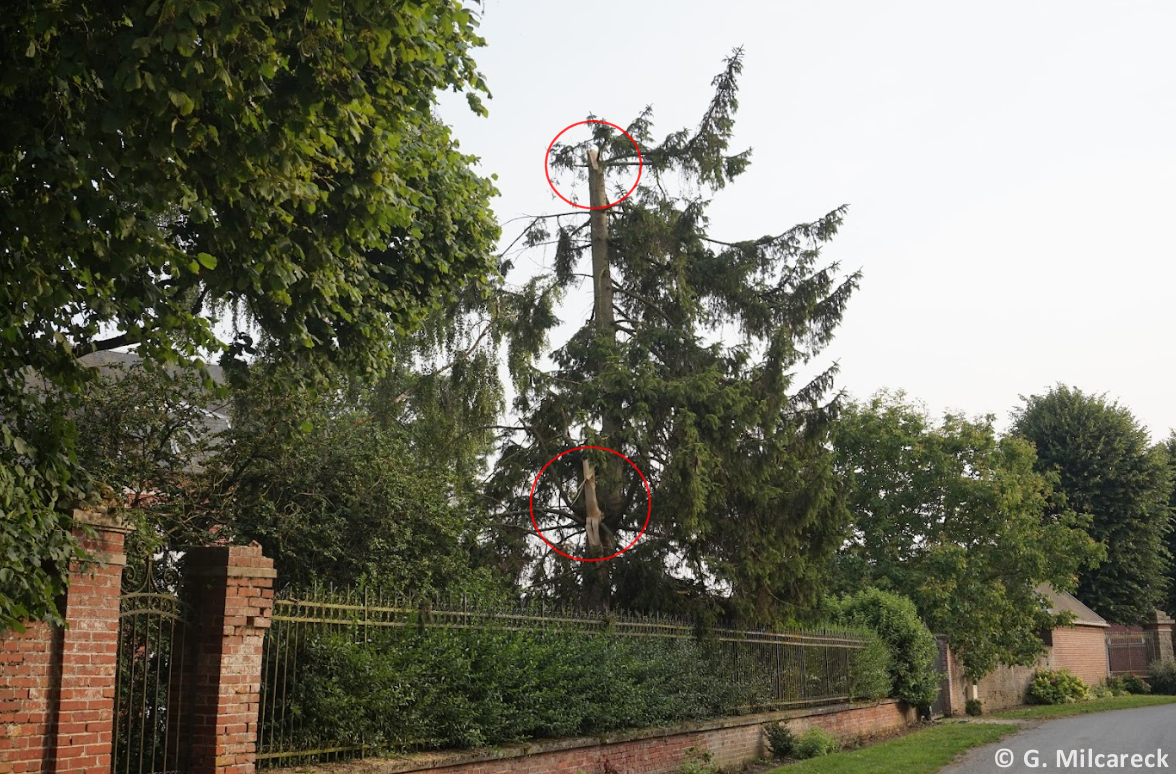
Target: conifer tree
point(687, 366)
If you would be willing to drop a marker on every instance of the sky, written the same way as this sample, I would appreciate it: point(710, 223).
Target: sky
point(1010, 169)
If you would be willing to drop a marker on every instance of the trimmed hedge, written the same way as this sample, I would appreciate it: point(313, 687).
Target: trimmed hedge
point(443, 688)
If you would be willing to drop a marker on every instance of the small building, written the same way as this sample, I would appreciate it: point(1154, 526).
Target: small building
point(1080, 647)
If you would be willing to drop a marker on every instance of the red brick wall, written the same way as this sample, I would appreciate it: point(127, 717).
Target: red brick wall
point(731, 741)
point(26, 682)
point(1082, 650)
point(232, 589)
point(57, 685)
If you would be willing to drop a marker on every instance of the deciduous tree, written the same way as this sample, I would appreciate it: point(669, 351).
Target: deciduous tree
point(956, 518)
point(163, 162)
point(1107, 467)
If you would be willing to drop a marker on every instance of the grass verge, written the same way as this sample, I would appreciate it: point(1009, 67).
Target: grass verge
point(921, 752)
point(1046, 711)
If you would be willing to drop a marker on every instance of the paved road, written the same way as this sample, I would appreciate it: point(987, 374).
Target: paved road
point(1074, 744)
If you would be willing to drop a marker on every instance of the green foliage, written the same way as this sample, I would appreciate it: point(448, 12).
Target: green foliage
point(38, 485)
point(1169, 449)
point(958, 520)
point(781, 740)
point(336, 496)
point(816, 742)
point(147, 434)
point(1056, 686)
point(1115, 686)
point(734, 447)
point(162, 164)
point(870, 671)
point(1161, 676)
point(1135, 684)
point(912, 646)
point(974, 708)
point(1101, 691)
point(698, 761)
point(438, 688)
point(1106, 467)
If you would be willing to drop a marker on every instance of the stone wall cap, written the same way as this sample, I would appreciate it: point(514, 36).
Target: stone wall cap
point(106, 519)
point(1161, 618)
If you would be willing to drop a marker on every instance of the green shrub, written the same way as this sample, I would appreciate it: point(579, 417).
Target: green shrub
point(444, 688)
point(1115, 686)
point(698, 761)
point(1100, 691)
point(974, 708)
point(781, 741)
point(1161, 675)
point(912, 646)
point(869, 671)
point(1056, 686)
point(816, 742)
point(1135, 684)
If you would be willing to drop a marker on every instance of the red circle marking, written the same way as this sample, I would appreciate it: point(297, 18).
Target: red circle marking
point(648, 493)
point(547, 171)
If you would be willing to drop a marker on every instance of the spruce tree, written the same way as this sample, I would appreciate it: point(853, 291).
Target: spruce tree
point(687, 366)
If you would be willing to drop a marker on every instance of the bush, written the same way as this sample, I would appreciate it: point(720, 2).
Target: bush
point(1135, 684)
point(698, 761)
point(974, 708)
point(445, 688)
point(1115, 686)
point(869, 671)
point(781, 741)
point(816, 742)
point(1161, 675)
point(912, 646)
point(1056, 686)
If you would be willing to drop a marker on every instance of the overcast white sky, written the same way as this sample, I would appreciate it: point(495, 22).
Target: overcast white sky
point(1010, 168)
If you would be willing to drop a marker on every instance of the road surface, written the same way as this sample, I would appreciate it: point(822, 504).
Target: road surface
point(1142, 739)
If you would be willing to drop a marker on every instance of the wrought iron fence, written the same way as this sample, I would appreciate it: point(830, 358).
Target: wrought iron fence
point(1130, 649)
point(795, 669)
point(155, 666)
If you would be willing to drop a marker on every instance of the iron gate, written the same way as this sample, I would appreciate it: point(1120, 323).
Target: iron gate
point(153, 693)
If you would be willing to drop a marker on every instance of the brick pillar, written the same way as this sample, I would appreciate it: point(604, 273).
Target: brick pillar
point(231, 592)
point(1159, 625)
point(57, 685)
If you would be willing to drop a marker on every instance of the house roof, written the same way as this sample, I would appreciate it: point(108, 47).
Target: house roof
point(1061, 602)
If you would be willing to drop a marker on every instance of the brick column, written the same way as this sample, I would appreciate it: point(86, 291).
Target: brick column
point(230, 589)
point(1159, 624)
point(57, 685)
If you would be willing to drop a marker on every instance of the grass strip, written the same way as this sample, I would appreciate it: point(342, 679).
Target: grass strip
point(920, 752)
point(1046, 711)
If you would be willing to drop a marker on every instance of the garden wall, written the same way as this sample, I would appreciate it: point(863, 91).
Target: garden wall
point(732, 741)
point(1080, 649)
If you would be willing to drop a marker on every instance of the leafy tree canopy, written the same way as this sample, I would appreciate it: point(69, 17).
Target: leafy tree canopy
point(337, 496)
point(688, 367)
point(1169, 447)
point(1107, 468)
point(958, 520)
point(163, 162)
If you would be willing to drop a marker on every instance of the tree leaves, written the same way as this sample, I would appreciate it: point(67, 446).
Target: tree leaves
point(1107, 468)
point(147, 140)
point(957, 519)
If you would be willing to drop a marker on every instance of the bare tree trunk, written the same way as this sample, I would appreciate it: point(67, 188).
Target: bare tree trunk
point(603, 497)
